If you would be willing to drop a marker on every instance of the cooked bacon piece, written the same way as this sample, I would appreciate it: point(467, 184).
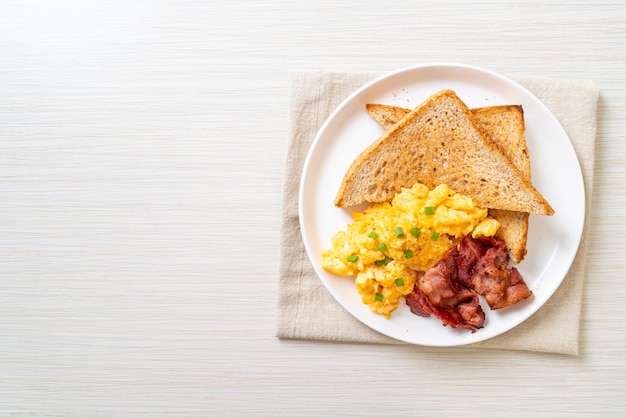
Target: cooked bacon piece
point(454, 318)
point(418, 303)
point(469, 252)
point(483, 267)
point(439, 293)
point(476, 265)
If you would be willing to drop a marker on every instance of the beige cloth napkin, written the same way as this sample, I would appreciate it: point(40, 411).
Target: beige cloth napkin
point(305, 308)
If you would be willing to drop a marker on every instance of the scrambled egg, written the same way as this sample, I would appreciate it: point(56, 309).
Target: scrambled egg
point(381, 288)
point(388, 243)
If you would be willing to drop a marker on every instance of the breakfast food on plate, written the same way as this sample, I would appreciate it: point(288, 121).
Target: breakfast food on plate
point(389, 243)
point(504, 125)
point(439, 142)
point(444, 173)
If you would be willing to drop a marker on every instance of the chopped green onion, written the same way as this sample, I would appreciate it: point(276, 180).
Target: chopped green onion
point(399, 281)
point(398, 231)
point(408, 254)
point(379, 297)
point(382, 246)
point(353, 258)
point(434, 236)
point(383, 262)
point(429, 210)
point(373, 235)
point(416, 232)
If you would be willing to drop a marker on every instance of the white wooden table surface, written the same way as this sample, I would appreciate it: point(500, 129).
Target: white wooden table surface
point(141, 153)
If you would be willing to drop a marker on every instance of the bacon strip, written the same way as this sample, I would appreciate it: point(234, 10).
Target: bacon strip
point(484, 265)
point(477, 265)
point(438, 292)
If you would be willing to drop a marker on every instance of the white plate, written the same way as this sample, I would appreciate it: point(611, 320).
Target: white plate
point(552, 241)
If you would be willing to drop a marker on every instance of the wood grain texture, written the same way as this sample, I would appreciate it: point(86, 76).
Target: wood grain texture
point(141, 152)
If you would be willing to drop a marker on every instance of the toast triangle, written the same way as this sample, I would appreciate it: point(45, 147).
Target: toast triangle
point(439, 142)
point(505, 126)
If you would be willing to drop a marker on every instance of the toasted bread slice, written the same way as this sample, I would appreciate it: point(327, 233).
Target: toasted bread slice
point(505, 126)
point(439, 142)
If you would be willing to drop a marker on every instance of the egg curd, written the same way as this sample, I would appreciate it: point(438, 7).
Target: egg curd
point(388, 243)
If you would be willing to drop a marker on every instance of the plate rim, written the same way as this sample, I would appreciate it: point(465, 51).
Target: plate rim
point(430, 66)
